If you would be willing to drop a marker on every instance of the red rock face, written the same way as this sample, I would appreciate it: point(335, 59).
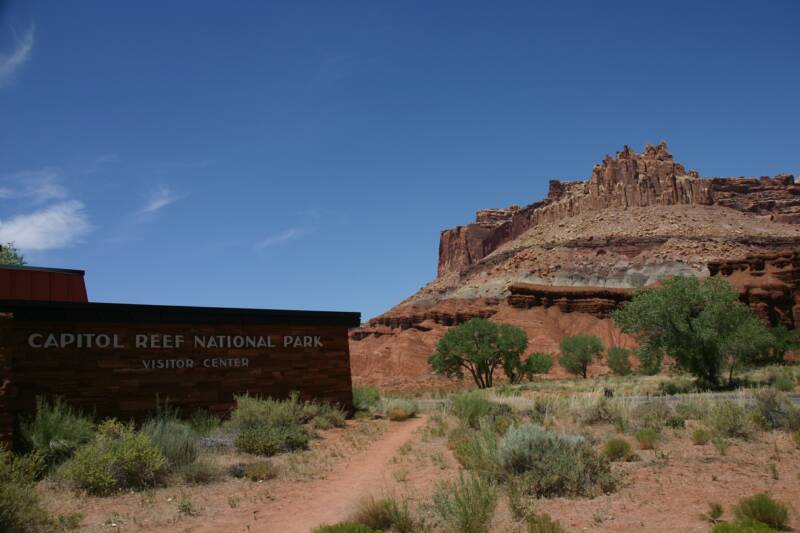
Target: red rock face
point(627, 180)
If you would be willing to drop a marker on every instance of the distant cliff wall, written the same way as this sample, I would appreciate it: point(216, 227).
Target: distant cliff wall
point(627, 180)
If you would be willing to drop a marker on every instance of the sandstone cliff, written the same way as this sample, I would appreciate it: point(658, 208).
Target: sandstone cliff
point(560, 266)
point(627, 180)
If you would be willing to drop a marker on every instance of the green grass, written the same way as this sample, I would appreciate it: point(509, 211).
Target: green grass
point(178, 442)
point(466, 506)
point(647, 438)
point(56, 431)
point(477, 451)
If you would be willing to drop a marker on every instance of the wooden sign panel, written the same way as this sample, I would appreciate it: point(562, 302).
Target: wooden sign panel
point(121, 360)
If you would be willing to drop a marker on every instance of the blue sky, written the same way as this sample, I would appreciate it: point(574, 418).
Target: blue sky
point(306, 155)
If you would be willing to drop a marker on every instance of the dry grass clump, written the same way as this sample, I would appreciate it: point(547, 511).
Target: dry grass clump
point(466, 506)
point(345, 527)
point(729, 419)
point(543, 523)
point(384, 514)
point(701, 436)
point(775, 411)
point(400, 409)
point(647, 438)
point(617, 449)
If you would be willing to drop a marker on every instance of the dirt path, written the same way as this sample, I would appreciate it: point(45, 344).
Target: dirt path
point(300, 507)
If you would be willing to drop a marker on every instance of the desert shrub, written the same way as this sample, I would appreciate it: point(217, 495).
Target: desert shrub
point(199, 473)
point(118, 458)
point(458, 436)
point(177, 441)
point(204, 423)
point(796, 438)
point(677, 386)
point(692, 409)
point(617, 449)
point(701, 436)
point(501, 423)
point(329, 417)
point(466, 506)
point(322, 415)
point(647, 438)
point(400, 409)
point(652, 415)
point(384, 514)
point(56, 431)
point(775, 411)
point(471, 407)
point(270, 440)
point(603, 411)
point(553, 464)
point(253, 412)
point(20, 508)
point(544, 523)
point(783, 383)
point(729, 419)
point(345, 527)
point(260, 471)
point(762, 508)
point(365, 398)
point(675, 422)
point(619, 360)
point(746, 526)
point(477, 451)
point(508, 391)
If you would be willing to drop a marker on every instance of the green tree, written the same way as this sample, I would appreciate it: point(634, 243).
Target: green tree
point(10, 255)
point(701, 324)
point(537, 363)
point(479, 346)
point(619, 360)
point(650, 359)
point(578, 352)
point(784, 340)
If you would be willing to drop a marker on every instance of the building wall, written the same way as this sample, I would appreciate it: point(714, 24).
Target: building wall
point(128, 381)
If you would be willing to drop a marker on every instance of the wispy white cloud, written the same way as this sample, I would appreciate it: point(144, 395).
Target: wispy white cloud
point(10, 63)
point(280, 238)
point(56, 226)
point(36, 186)
point(159, 199)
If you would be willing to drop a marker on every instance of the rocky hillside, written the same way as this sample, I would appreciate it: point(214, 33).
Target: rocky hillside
point(560, 266)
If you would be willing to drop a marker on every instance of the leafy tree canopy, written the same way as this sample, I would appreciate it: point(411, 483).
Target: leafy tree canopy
point(578, 352)
point(702, 324)
point(10, 255)
point(480, 346)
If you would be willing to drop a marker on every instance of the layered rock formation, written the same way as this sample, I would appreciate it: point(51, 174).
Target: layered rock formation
point(627, 180)
point(560, 266)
